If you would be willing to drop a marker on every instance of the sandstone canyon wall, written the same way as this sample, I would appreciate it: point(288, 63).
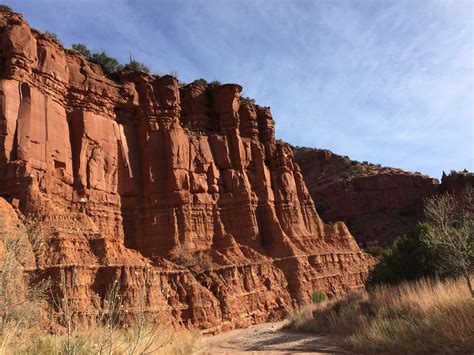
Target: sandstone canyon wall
point(377, 203)
point(141, 180)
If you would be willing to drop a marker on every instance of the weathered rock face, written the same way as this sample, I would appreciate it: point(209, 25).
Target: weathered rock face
point(183, 187)
point(377, 203)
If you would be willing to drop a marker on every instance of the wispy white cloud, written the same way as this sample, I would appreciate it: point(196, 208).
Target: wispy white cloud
point(385, 81)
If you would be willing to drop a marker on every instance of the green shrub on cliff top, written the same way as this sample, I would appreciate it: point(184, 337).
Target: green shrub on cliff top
point(136, 65)
point(5, 8)
point(247, 99)
point(109, 65)
point(82, 49)
point(52, 35)
point(200, 81)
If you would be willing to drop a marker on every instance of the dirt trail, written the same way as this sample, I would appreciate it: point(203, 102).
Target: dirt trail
point(269, 338)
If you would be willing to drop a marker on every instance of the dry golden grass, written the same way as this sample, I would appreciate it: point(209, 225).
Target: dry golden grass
point(163, 341)
point(420, 317)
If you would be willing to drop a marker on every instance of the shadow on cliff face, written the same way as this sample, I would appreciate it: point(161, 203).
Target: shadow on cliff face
point(129, 219)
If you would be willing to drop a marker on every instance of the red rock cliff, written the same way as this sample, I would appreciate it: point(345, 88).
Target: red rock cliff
point(377, 203)
point(184, 184)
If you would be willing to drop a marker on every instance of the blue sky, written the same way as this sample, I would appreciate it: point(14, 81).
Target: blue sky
point(390, 82)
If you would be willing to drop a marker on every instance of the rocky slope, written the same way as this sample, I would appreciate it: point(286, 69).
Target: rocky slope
point(181, 189)
point(377, 203)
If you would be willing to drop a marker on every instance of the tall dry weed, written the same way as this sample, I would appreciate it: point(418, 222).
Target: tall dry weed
point(21, 299)
point(424, 316)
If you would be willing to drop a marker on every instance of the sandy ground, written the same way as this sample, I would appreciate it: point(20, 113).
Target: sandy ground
point(269, 338)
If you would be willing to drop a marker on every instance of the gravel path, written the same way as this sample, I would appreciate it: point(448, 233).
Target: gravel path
point(269, 338)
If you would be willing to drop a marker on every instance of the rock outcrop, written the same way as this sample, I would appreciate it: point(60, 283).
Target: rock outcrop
point(456, 181)
point(377, 203)
point(182, 190)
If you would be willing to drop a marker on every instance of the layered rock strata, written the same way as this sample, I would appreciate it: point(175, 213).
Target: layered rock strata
point(181, 190)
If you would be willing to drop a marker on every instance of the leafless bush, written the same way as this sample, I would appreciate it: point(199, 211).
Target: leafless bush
point(21, 299)
point(452, 218)
point(65, 304)
point(145, 338)
point(110, 320)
